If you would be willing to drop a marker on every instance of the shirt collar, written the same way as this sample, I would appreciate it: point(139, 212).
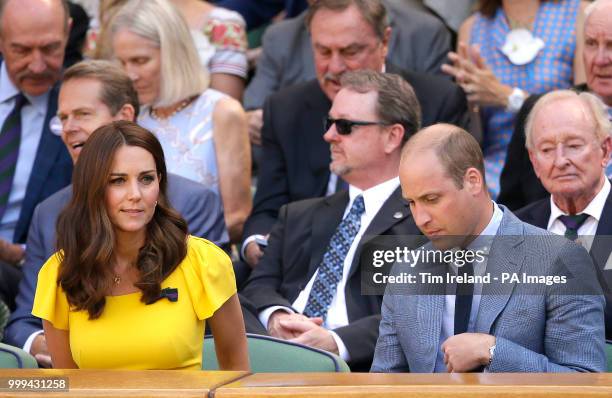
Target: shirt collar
point(593, 209)
point(8, 91)
point(375, 196)
point(484, 239)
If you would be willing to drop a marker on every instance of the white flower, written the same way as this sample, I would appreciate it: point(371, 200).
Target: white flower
point(521, 47)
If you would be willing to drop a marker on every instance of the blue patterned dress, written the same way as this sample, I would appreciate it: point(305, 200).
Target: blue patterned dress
point(552, 69)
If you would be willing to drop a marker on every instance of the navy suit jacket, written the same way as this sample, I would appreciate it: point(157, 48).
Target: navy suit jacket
point(295, 158)
point(538, 214)
point(296, 248)
point(51, 172)
point(198, 205)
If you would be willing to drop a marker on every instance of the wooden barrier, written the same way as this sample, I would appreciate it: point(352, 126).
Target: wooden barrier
point(472, 385)
point(119, 383)
point(183, 384)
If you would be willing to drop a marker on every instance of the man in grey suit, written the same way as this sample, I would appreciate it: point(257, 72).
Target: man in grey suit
point(475, 324)
point(95, 93)
point(418, 42)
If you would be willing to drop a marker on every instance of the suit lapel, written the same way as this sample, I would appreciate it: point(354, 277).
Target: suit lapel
point(430, 309)
point(326, 219)
point(507, 255)
point(392, 212)
point(600, 249)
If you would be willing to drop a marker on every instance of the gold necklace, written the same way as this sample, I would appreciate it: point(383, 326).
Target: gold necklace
point(117, 279)
point(182, 105)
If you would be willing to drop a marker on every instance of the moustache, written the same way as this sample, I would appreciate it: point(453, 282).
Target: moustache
point(47, 75)
point(332, 77)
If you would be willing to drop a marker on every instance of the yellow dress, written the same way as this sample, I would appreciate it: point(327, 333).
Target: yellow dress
point(132, 335)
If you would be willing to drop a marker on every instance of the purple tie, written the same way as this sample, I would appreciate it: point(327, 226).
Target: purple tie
point(572, 224)
point(10, 138)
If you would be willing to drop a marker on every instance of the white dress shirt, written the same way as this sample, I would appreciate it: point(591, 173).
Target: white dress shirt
point(32, 120)
point(337, 315)
point(588, 229)
point(482, 242)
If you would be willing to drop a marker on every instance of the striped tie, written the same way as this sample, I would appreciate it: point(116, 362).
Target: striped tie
point(10, 137)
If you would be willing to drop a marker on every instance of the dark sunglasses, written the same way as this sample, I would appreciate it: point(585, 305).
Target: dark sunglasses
point(345, 126)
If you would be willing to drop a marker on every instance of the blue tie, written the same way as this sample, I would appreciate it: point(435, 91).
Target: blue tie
point(330, 270)
point(10, 138)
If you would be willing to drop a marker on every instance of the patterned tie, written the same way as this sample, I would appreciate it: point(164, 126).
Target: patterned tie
point(463, 299)
point(10, 137)
point(330, 270)
point(572, 224)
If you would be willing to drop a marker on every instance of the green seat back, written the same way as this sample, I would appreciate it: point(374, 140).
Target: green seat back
point(271, 355)
point(13, 357)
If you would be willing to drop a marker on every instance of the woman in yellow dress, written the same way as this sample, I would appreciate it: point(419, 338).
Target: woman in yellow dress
point(128, 287)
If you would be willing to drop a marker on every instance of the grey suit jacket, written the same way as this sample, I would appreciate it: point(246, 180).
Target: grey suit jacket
point(543, 332)
point(198, 205)
point(419, 42)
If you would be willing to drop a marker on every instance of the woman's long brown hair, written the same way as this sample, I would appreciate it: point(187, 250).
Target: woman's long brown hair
point(85, 233)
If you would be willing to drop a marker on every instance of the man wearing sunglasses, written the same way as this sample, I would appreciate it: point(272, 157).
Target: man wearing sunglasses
point(307, 286)
point(346, 36)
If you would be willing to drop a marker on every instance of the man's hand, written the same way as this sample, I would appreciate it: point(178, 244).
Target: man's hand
point(11, 253)
point(255, 121)
point(253, 254)
point(278, 318)
point(467, 351)
point(40, 351)
point(311, 334)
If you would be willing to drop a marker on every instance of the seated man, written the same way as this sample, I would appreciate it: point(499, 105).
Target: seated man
point(469, 323)
point(519, 184)
point(295, 157)
point(34, 163)
point(95, 93)
point(307, 286)
point(569, 143)
point(419, 42)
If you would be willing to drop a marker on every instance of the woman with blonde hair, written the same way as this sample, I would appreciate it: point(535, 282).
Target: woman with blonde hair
point(203, 132)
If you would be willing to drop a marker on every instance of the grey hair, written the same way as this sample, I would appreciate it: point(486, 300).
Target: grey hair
point(182, 75)
point(595, 108)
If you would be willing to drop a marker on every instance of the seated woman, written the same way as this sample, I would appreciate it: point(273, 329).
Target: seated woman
point(507, 50)
point(128, 287)
point(203, 132)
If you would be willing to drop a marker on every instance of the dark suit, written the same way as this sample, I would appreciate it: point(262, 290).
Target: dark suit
point(519, 184)
point(538, 214)
point(200, 207)
point(296, 247)
point(51, 171)
point(295, 158)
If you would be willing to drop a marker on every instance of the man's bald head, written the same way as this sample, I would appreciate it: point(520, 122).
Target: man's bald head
point(63, 4)
point(454, 147)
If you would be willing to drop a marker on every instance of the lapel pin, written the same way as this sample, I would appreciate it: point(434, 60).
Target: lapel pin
point(398, 215)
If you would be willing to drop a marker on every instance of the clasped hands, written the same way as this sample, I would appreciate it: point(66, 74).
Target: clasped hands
point(301, 329)
point(11, 253)
point(471, 72)
point(467, 351)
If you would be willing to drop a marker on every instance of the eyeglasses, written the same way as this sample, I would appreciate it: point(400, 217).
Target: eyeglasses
point(345, 126)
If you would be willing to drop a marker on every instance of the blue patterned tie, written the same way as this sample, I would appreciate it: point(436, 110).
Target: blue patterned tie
point(572, 224)
point(330, 270)
point(10, 138)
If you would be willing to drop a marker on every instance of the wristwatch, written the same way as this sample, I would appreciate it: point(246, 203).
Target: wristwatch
point(515, 100)
point(491, 354)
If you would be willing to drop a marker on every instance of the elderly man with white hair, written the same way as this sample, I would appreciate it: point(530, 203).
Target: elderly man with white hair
point(519, 185)
point(568, 138)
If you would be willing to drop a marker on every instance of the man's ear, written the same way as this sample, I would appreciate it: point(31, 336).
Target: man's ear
point(606, 147)
point(473, 181)
point(394, 138)
point(127, 112)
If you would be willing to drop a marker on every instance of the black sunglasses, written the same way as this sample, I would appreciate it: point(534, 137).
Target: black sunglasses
point(345, 126)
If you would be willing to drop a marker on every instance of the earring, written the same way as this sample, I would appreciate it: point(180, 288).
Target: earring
point(155, 203)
